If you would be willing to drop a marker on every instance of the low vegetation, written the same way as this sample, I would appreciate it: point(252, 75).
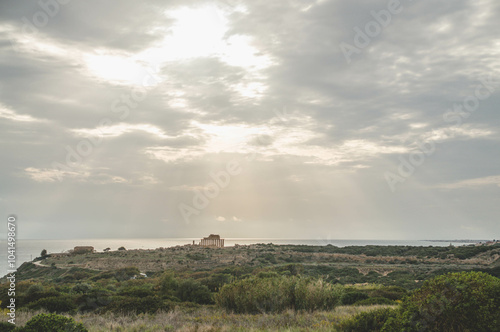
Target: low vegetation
point(271, 293)
point(330, 296)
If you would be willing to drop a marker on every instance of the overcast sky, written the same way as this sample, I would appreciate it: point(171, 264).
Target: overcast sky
point(289, 119)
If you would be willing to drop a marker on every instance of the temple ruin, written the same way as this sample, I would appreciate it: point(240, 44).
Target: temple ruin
point(212, 241)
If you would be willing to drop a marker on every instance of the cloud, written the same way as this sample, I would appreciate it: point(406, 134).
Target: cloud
point(168, 94)
point(473, 183)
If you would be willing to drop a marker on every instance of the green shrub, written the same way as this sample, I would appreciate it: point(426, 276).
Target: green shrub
point(350, 297)
point(137, 290)
point(196, 257)
point(81, 288)
point(465, 301)
point(52, 323)
point(371, 321)
point(215, 281)
point(57, 304)
point(6, 326)
point(126, 273)
point(103, 275)
point(192, 291)
point(168, 285)
point(34, 289)
point(392, 293)
point(275, 294)
point(35, 293)
point(255, 295)
point(315, 294)
point(94, 299)
point(374, 300)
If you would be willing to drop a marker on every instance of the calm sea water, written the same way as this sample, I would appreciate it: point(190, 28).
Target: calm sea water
point(27, 250)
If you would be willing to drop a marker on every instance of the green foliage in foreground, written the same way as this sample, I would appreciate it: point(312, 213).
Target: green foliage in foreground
point(51, 323)
point(368, 321)
point(466, 301)
point(275, 293)
point(6, 326)
point(459, 302)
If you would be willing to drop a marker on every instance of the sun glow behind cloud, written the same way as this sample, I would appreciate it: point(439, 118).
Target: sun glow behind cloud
point(271, 140)
point(119, 69)
point(202, 32)
point(196, 32)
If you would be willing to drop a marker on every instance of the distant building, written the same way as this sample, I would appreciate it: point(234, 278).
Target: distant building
point(83, 250)
point(212, 241)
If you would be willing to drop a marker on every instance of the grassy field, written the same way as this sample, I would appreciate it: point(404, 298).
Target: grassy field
point(212, 319)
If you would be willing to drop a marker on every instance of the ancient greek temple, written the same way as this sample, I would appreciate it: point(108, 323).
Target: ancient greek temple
point(212, 241)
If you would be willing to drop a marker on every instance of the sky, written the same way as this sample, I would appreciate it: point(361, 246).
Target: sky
point(311, 119)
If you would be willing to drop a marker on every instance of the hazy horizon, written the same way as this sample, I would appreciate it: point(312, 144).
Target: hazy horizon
point(316, 119)
point(255, 238)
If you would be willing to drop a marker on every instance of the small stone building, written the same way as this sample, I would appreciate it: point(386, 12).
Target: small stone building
point(83, 250)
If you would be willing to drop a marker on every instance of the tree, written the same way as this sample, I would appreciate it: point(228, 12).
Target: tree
point(107, 249)
point(122, 248)
point(43, 254)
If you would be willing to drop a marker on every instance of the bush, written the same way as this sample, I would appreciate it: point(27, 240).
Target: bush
point(57, 304)
point(192, 291)
point(465, 301)
point(392, 293)
point(255, 295)
point(6, 326)
point(215, 281)
point(168, 285)
point(126, 273)
point(52, 323)
point(351, 297)
point(137, 291)
point(276, 294)
point(374, 300)
point(371, 321)
point(310, 295)
point(93, 299)
point(34, 289)
point(36, 292)
point(81, 288)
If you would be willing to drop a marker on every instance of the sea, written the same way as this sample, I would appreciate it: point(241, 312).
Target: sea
point(27, 250)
